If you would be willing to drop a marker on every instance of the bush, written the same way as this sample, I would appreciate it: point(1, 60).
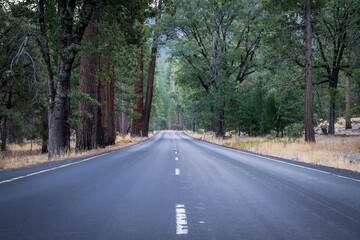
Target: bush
point(199, 130)
point(295, 130)
point(269, 136)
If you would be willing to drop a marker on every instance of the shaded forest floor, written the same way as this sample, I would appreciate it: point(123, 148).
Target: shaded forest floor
point(339, 151)
point(27, 154)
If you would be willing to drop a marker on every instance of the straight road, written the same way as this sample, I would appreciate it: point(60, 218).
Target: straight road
point(176, 187)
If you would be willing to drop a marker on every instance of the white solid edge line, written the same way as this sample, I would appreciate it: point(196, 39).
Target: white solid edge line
point(50, 169)
point(274, 160)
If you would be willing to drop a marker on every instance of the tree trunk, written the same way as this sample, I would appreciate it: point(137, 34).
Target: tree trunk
point(59, 131)
point(149, 91)
point(150, 85)
point(221, 124)
point(106, 98)
point(87, 126)
point(332, 88)
point(137, 128)
point(308, 123)
point(348, 102)
point(4, 134)
point(180, 120)
point(218, 122)
point(44, 131)
point(124, 115)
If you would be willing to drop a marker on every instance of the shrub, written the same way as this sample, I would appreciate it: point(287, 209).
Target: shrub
point(295, 130)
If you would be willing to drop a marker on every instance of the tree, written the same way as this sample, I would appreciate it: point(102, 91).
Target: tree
point(96, 121)
point(333, 32)
point(71, 27)
point(87, 135)
point(218, 41)
point(348, 102)
point(137, 121)
point(150, 82)
point(309, 126)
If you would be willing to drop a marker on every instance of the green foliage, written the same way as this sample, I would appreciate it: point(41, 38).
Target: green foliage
point(234, 64)
point(270, 116)
point(295, 130)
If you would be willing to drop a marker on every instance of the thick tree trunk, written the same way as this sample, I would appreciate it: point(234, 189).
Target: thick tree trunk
point(332, 87)
point(348, 102)
point(59, 110)
point(87, 126)
point(308, 123)
point(150, 85)
point(106, 98)
point(137, 128)
point(180, 120)
point(218, 122)
point(4, 134)
point(124, 115)
point(221, 124)
point(44, 132)
point(332, 118)
point(149, 91)
point(4, 130)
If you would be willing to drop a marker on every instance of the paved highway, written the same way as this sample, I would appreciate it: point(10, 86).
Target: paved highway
point(176, 187)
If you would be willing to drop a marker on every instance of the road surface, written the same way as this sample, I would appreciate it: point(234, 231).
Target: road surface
point(176, 187)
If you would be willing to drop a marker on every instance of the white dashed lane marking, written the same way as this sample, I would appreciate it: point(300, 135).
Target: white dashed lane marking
point(181, 221)
point(177, 171)
point(176, 158)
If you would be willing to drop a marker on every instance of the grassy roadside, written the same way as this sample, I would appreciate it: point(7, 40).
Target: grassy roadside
point(334, 151)
point(27, 154)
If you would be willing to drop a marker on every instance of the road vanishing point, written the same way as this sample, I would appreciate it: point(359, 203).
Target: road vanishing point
point(173, 186)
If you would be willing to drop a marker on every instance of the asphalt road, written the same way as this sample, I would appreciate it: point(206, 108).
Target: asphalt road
point(176, 187)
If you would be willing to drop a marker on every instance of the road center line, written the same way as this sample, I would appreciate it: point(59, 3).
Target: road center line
point(50, 169)
point(176, 158)
point(181, 221)
point(177, 171)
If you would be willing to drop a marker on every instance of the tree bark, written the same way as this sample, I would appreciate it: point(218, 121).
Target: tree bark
point(150, 85)
point(332, 88)
point(348, 102)
point(106, 98)
point(137, 128)
point(4, 134)
point(308, 123)
point(124, 115)
point(44, 131)
point(4, 130)
point(86, 138)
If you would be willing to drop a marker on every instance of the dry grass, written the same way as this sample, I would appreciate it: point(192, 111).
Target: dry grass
point(334, 151)
point(22, 155)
